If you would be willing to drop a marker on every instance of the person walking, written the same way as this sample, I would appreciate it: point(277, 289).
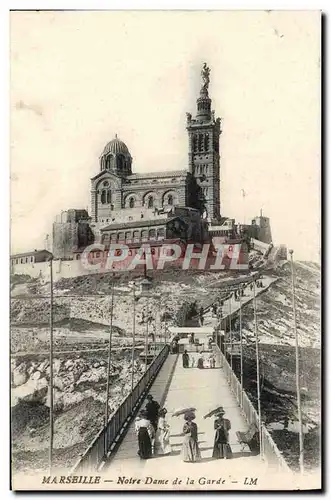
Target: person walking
point(200, 362)
point(222, 426)
point(201, 312)
point(190, 448)
point(162, 439)
point(145, 433)
point(152, 411)
point(186, 359)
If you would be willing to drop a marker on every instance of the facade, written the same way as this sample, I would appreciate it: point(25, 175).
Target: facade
point(71, 231)
point(129, 207)
point(30, 257)
point(204, 156)
point(259, 229)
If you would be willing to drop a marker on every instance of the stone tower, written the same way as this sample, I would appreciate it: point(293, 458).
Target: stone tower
point(204, 158)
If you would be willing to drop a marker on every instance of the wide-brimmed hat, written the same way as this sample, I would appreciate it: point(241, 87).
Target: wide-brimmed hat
point(220, 413)
point(190, 415)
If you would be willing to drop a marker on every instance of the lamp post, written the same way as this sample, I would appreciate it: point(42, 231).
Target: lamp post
point(146, 339)
point(297, 369)
point(133, 334)
point(257, 369)
point(109, 356)
point(230, 326)
point(51, 382)
point(241, 348)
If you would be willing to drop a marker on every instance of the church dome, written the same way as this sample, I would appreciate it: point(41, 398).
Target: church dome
point(116, 158)
point(116, 147)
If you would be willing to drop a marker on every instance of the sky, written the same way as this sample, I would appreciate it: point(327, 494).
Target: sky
point(79, 78)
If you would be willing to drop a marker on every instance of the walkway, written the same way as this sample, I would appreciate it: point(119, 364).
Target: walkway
point(205, 390)
point(232, 306)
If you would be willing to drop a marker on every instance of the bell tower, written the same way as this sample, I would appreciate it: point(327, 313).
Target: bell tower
point(204, 158)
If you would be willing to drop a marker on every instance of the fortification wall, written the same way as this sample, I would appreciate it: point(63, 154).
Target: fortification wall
point(61, 269)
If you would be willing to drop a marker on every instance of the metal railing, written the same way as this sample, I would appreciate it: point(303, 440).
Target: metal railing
point(268, 447)
point(108, 437)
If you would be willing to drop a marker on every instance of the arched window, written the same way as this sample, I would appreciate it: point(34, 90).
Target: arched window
point(200, 142)
point(170, 199)
point(195, 143)
point(160, 233)
point(131, 203)
point(144, 234)
point(108, 196)
point(152, 233)
point(150, 202)
point(121, 236)
point(103, 196)
point(120, 162)
point(136, 235)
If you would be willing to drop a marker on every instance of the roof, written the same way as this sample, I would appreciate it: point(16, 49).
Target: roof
point(28, 254)
point(151, 243)
point(161, 174)
point(138, 223)
point(138, 176)
point(186, 329)
point(116, 147)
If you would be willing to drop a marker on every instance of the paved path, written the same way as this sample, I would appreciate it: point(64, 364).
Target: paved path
point(231, 306)
point(203, 389)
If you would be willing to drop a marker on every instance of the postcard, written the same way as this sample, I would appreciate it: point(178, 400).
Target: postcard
point(165, 250)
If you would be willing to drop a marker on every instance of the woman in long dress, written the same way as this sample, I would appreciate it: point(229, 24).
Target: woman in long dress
point(145, 433)
point(222, 448)
point(200, 363)
point(185, 359)
point(162, 438)
point(190, 449)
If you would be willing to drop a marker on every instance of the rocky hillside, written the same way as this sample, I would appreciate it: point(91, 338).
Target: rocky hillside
point(277, 358)
point(79, 403)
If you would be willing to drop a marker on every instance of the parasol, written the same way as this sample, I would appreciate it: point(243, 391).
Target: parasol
point(217, 410)
point(177, 413)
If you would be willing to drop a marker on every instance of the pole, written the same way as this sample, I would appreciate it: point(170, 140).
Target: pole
point(230, 330)
point(257, 370)
point(155, 330)
point(146, 340)
point(241, 350)
point(109, 355)
point(221, 346)
point(133, 336)
point(51, 391)
point(297, 370)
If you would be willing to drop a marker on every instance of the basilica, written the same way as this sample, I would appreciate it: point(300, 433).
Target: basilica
point(127, 206)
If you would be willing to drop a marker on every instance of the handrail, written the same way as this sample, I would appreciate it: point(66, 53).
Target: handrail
point(268, 447)
point(109, 435)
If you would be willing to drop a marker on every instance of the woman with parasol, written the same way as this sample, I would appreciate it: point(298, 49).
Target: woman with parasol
point(190, 449)
point(146, 434)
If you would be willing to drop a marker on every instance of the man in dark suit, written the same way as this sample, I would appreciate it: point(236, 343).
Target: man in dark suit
point(152, 409)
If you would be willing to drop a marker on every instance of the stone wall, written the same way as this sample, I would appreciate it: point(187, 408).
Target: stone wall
point(61, 269)
point(68, 237)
